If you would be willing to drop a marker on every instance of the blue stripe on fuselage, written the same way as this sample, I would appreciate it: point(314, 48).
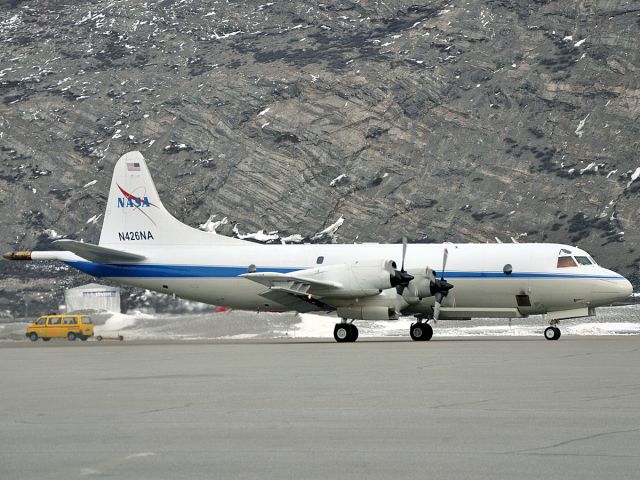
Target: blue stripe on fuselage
point(164, 271)
point(200, 271)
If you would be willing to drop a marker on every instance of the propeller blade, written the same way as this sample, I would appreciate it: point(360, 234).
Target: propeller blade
point(404, 252)
point(436, 312)
point(429, 274)
point(436, 307)
point(401, 278)
point(445, 256)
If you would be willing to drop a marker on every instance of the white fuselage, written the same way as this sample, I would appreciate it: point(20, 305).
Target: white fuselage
point(211, 274)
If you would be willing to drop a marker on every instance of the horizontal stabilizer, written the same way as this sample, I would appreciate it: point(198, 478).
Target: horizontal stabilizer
point(97, 254)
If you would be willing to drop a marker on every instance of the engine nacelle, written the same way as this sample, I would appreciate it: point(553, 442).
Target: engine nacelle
point(420, 286)
point(367, 313)
point(357, 279)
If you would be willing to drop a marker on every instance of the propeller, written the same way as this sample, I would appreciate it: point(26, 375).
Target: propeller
point(400, 278)
point(440, 287)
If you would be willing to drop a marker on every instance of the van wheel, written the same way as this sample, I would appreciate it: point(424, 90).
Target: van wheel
point(99, 338)
point(46, 339)
point(83, 338)
point(33, 336)
point(71, 336)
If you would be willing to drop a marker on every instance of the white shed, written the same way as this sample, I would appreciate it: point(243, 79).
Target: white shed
point(92, 297)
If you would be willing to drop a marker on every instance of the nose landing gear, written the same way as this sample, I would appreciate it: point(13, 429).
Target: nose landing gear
point(552, 332)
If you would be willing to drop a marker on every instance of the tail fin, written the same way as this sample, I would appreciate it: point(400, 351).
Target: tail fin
point(135, 215)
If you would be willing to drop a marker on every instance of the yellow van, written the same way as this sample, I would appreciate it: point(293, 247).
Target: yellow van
point(60, 326)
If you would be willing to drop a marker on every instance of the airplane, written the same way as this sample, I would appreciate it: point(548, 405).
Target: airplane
point(143, 245)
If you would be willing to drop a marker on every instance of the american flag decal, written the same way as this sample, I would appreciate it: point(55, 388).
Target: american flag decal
point(133, 167)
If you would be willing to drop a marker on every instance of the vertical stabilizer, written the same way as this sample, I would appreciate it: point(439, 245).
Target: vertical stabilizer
point(135, 215)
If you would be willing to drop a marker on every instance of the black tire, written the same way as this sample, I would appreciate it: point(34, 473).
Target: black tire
point(354, 333)
point(341, 332)
point(428, 332)
point(71, 336)
point(416, 331)
point(552, 333)
point(99, 338)
point(421, 332)
point(84, 338)
point(46, 339)
point(33, 336)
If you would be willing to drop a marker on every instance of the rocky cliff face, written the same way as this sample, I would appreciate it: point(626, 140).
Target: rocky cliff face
point(440, 120)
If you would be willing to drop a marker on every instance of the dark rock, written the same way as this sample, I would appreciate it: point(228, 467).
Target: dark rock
point(486, 112)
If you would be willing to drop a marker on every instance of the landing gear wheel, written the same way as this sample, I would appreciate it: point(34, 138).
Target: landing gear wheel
point(421, 331)
point(71, 336)
point(552, 333)
point(33, 336)
point(341, 332)
point(345, 332)
point(354, 332)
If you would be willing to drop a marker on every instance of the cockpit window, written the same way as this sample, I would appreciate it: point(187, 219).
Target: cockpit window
point(583, 260)
point(566, 262)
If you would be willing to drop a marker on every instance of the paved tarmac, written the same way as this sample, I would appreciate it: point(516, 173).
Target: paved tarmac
point(446, 409)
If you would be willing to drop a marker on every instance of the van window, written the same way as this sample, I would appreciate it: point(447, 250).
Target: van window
point(86, 320)
point(583, 260)
point(566, 262)
point(54, 321)
point(69, 321)
point(41, 321)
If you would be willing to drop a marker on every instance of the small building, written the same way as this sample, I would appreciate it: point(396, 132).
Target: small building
point(92, 297)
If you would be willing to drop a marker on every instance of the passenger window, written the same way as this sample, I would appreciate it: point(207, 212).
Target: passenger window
point(41, 321)
point(69, 321)
point(86, 321)
point(583, 260)
point(319, 260)
point(566, 262)
point(54, 321)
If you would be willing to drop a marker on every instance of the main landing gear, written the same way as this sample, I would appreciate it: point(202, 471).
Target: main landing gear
point(421, 331)
point(552, 332)
point(345, 332)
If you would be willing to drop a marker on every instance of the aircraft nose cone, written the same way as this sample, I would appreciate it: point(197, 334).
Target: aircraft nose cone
point(614, 290)
point(626, 289)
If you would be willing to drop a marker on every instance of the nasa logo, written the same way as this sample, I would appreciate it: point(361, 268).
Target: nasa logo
point(131, 201)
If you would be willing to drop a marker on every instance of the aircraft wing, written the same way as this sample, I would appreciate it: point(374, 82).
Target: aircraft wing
point(297, 303)
point(97, 254)
point(297, 285)
point(295, 292)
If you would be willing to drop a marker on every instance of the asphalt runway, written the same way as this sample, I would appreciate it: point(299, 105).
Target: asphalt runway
point(494, 409)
